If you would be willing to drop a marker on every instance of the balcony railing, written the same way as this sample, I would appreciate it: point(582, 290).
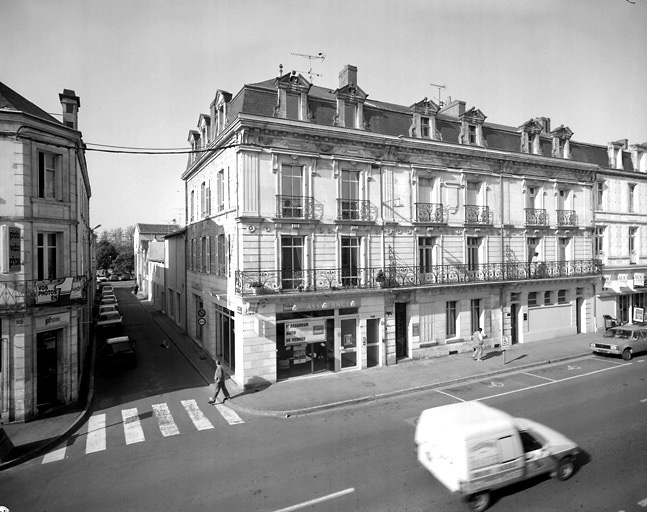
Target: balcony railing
point(19, 295)
point(566, 218)
point(340, 279)
point(477, 214)
point(295, 207)
point(353, 209)
point(536, 217)
point(430, 213)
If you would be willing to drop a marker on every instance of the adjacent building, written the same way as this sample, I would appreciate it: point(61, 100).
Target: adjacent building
point(329, 231)
point(47, 256)
point(143, 235)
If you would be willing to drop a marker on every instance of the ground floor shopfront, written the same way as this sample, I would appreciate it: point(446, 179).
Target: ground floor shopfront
point(41, 360)
point(622, 298)
point(268, 338)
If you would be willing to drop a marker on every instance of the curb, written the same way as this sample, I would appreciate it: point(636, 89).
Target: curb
point(80, 419)
point(373, 398)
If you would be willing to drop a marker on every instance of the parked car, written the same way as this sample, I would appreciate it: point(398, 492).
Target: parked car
point(109, 318)
point(119, 350)
point(625, 341)
point(125, 277)
point(114, 277)
point(108, 308)
point(108, 300)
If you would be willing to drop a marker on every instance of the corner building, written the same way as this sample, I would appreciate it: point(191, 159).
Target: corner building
point(327, 231)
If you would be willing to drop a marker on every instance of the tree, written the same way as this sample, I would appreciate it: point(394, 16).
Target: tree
point(106, 253)
point(124, 263)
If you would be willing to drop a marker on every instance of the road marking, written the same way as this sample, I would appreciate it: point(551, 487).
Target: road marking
point(539, 376)
point(132, 426)
point(229, 414)
point(570, 367)
point(495, 384)
point(643, 400)
point(451, 396)
point(58, 454)
point(197, 416)
point(165, 420)
point(96, 434)
point(317, 500)
point(643, 503)
point(548, 383)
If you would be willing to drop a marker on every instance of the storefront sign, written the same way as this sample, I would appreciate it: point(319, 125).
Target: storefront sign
point(52, 321)
point(10, 249)
point(622, 279)
point(639, 314)
point(308, 331)
point(329, 304)
point(639, 279)
point(59, 291)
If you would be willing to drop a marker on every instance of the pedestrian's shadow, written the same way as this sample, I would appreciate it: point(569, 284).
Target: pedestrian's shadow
point(497, 353)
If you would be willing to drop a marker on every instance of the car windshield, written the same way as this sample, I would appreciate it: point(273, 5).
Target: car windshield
point(120, 347)
point(618, 333)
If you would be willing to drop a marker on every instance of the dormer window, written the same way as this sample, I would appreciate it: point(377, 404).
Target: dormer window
point(350, 115)
point(530, 131)
point(292, 105)
point(350, 100)
point(424, 127)
point(472, 128)
point(561, 142)
point(423, 123)
point(471, 134)
point(292, 101)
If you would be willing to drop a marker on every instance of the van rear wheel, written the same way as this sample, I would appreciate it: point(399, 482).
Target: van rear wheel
point(565, 469)
point(479, 502)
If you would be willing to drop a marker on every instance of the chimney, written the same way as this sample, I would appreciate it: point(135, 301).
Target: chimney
point(71, 104)
point(348, 75)
point(454, 108)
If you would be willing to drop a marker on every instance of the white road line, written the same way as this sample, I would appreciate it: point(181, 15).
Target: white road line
point(451, 396)
point(229, 414)
point(539, 376)
point(165, 420)
point(643, 503)
point(96, 434)
point(317, 500)
point(58, 454)
point(643, 400)
point(548, 383)
point(198, 418)
point(132, 426)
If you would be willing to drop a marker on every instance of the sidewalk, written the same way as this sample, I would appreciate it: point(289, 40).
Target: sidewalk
point(313, 393)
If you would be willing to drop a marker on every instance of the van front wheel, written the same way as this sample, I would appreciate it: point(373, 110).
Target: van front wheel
point(565, 469)
point(479, 502)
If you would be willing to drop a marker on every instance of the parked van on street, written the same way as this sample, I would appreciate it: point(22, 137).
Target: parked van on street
point(472, 449)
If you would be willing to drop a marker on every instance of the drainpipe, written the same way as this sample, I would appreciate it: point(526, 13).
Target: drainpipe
point(503, 262)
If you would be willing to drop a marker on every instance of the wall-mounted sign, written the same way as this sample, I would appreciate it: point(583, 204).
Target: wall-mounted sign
point(52, 321)
point(201, 312)
point(59, 291)
point(10, 249)
point(639, 279)
point(305, 331)
point(639, 314)
point(202, 321)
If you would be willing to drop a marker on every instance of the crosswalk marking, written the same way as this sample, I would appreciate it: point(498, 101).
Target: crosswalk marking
point(96, 434)
point(229, 414)
point(132, 426)
point(197, 416)
point(165, 420)
point(58, 454)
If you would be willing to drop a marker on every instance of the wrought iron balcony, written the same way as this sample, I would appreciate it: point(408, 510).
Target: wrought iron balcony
point(353, 209)
point(295, 207)
point(343, 279)
point(477, 214)
point(536, 217)
point(430, 213)
point(20, 295)
point(566, 218)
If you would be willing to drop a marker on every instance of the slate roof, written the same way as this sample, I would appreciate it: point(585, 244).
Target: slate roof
point(157, 229)
point(11, 100)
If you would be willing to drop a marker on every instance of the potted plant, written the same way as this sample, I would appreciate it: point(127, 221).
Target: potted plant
point(257, 287)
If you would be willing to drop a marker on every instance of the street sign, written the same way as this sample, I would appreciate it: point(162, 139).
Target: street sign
point(505, 342)
point(202, 321)
point(201, 313)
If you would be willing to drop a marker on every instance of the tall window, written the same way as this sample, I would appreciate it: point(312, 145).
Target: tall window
point(475, 310)
point(471, 134)
point(47, 256)
point(349, 260)
point(599, 195)
point(426, 246)
point(222, 255)
point(192, 206)
point(424, 127)
point(632, 239)
point(292, 191)
point(473, 245)
point(350, 112)
point(48, 170)
point(205, 254)
point(291, 262)
point(350, 194)
point(599, 241)
point(562, 249)
point(451, 316)
point(203, 199)
point(632, 197)
point(221, 190)
point(292, 105)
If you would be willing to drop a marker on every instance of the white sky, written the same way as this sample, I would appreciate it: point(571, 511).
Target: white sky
point(145, 70)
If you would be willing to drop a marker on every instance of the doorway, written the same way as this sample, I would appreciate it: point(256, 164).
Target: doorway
point(401, 341)
point(372, 342)
point(514, 318)
point(47, 368)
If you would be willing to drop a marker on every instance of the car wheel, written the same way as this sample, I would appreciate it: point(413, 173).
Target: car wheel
point(479, 502)
point(626, 354)
point(565, 469)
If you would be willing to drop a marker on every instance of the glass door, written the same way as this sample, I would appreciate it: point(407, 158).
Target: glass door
point(372, 342)
point(348, 349)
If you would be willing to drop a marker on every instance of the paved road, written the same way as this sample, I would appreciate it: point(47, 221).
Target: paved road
point(153, 443)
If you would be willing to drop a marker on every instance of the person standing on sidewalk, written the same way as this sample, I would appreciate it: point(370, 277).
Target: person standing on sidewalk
point(219, 384)
point(478, 344)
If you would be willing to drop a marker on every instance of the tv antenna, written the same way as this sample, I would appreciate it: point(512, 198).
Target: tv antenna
point(440, 87)
point(320, 56)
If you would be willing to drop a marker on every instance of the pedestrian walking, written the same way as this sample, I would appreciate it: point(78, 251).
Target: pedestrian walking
point(478, 344)
point(219, 384)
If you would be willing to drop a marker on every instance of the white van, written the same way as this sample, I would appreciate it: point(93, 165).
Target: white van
point(472, 449)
